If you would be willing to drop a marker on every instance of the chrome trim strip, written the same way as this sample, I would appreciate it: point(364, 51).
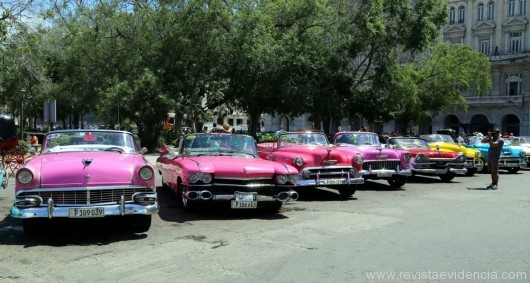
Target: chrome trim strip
point(122, 205)
point(50, 208)
point(45, 189)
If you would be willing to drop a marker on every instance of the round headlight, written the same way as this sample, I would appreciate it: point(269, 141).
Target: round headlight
point(193, 177)
point(24, 176)
point(281, 179)
point(353, 172)
point(461, 158)
point(298, 161)
point(306, 174)
point(421, 158)
point(206, 178)
point(522, 154)
point(478, 154)
point(358, 159)
point(292, 178)
point(146, 173)
point(406, 156)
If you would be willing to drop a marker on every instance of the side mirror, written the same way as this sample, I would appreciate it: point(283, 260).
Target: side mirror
point(143, 150)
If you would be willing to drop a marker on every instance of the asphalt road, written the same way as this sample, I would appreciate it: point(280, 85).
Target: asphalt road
point(427, 231)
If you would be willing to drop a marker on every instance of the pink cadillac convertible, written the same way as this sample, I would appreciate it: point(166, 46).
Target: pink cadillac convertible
point(319, 163)
point(226, 168)
point(379, 163)
point(86, 174)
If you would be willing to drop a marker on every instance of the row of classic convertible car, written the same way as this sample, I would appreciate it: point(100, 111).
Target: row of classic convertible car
point(102, 173)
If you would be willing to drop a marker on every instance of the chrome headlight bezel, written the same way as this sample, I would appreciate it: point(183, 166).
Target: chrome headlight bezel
point(292, 178)
point(522, 154)
point(146, 173)
point(206, 178)
point(193, 177)
point(281, 179)
point(358, 159)
point(24, 176)
point(461, 158)
point(298, 161)
point(421, 158)
point(407, 156)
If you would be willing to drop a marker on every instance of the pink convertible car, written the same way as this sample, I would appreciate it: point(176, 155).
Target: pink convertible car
point(86, 174)
point(392, 165)
point(209, 168)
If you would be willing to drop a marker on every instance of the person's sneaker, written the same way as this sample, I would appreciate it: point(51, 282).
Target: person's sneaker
point(490, 187)
point(494, 187)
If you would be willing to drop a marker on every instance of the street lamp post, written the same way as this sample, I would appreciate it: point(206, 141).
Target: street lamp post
point(21, 93)
point(30, 126)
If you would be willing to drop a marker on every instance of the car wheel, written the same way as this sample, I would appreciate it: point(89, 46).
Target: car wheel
point(397, 182)
point(141, 223)
point(447, 177)
point(513, 170)
point(273, 208)
point(346, 191)
point(471, 171)
point(31, 226)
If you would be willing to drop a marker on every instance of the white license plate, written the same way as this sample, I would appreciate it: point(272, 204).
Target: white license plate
point(441, 171)
point(332, 182)
point(87, 212)
point(244, 204)
point(384, 174)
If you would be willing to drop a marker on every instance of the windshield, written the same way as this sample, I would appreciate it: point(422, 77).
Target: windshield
point(438, 138)
point(302, 138)
point(408, 143)
point(85, 140)
point(218, 144)
point(358, 139)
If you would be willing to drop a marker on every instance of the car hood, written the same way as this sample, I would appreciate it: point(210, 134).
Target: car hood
point(470, 152)
point(372, 152)
point(314, 155)
point(433, 153)
point(88, 169)
point(236, 167)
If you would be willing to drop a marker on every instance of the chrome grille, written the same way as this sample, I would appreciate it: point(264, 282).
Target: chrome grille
point(384, 164)
point(332, 172)
point(87, 197)
point(263, 182)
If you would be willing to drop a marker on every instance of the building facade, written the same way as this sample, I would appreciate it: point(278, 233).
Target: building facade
point(498, 29)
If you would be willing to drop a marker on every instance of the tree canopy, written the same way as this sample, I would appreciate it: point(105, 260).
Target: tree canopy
point(134, 61)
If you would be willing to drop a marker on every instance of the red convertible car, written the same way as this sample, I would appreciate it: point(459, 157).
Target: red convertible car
point(426, 161)
point(319, 163)
point(392, 165)
point(225, 168)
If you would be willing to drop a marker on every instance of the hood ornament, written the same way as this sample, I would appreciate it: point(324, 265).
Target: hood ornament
point(87, 162)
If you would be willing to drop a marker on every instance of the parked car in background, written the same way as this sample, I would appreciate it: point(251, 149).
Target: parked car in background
point(426, 161)
point(208, 168)
point(392, 165)
point(86, 174)
point(446, 143)
point(511, 159)
point(319, 164)
point(522, 143)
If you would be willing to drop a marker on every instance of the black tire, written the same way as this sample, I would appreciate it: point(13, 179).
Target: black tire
point(273, 207)
point(347, 191)
point(471, 171)
point(141, 223)
point(397, 181)
point(31, 226)
point(447, 177)
point(513, 170)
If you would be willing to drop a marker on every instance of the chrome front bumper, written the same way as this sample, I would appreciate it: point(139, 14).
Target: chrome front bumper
point(386, 173)
point(51, 211)
point(205, 195)
point(440, 171)
point(475, 164)
point(330, 182)
point(512, 163)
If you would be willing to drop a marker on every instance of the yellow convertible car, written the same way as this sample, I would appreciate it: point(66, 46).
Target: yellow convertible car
point(445, 143)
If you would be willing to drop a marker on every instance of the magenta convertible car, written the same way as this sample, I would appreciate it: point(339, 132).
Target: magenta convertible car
point(392, 165)
point(226, 168)
point(86, 174)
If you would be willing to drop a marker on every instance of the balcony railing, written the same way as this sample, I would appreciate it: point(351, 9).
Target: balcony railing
point(509, 57)
point(515, 100)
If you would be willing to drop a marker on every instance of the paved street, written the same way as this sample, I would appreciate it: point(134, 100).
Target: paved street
point(428, 229)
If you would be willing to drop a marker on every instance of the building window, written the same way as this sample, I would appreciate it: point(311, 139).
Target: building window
point(491, 10)
point(480, 12)
point(522, 7)
point(452, 16)
point(515, 42)
point(461, 14)
point(231, 122)
point(239, 122)
point(511, 8)
point(513, 85)
point(484, 45)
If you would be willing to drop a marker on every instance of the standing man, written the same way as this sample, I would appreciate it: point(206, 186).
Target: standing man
point(494, 153)
point(462, 140)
